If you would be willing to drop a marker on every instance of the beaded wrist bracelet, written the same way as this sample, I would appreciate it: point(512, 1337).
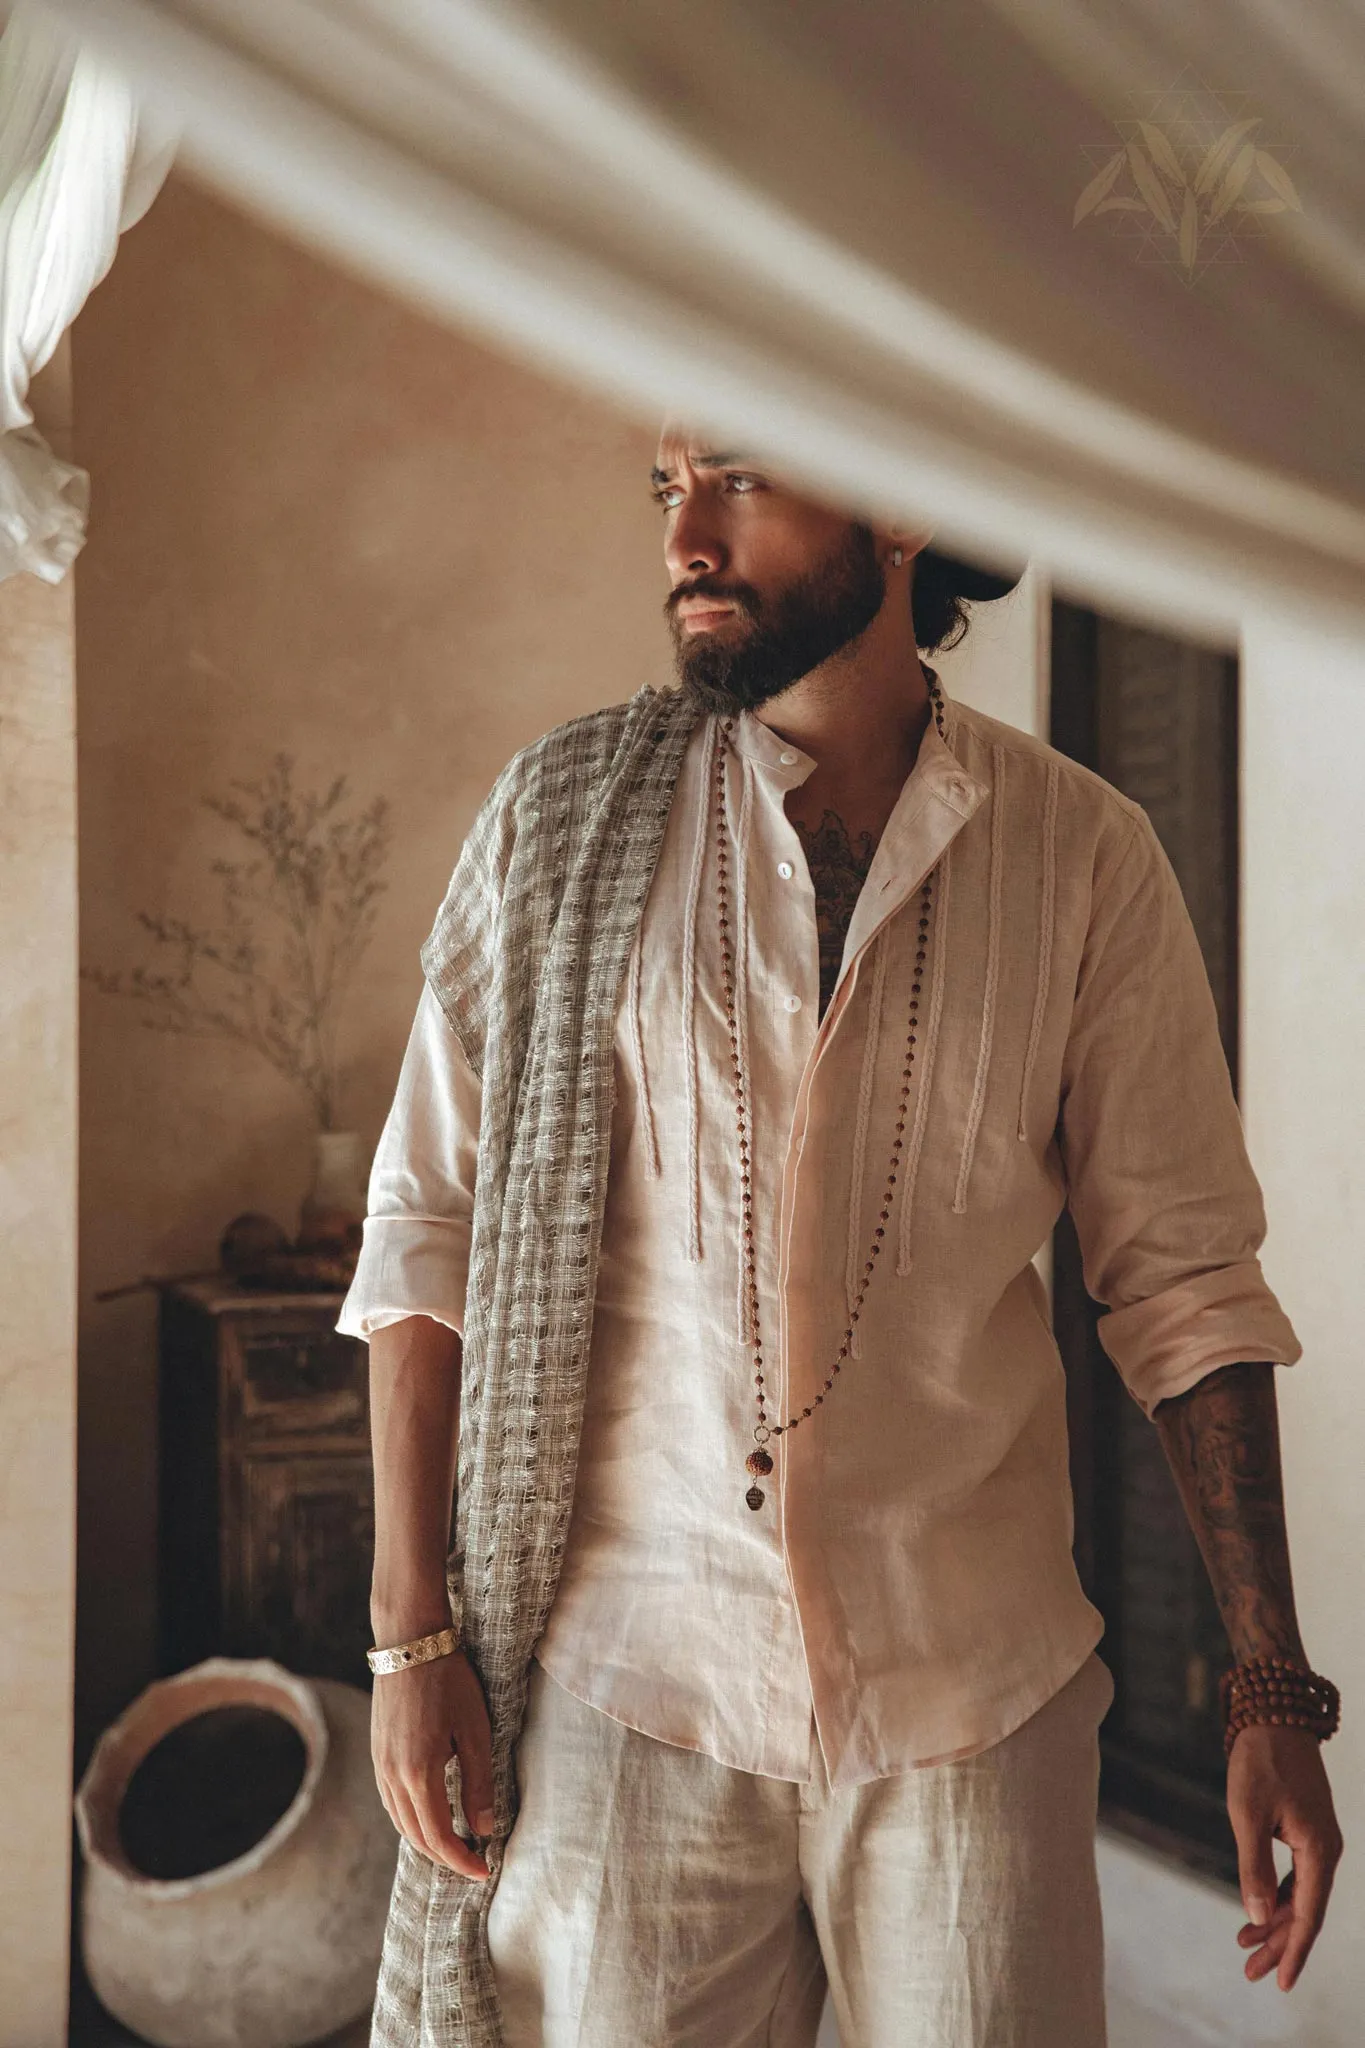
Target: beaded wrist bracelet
point(1279, 1692)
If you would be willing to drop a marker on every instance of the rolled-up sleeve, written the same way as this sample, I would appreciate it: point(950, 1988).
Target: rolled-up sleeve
point(1167, 1208)
point(414, 1259)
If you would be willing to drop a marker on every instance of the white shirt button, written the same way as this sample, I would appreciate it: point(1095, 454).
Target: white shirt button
point(786, 870)
point(787, 757)
point(792, 1003)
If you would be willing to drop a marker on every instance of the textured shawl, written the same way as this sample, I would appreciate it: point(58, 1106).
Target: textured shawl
point(527, 958)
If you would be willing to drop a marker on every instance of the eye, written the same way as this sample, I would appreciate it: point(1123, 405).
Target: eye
point(668, 496)
point(742, 483)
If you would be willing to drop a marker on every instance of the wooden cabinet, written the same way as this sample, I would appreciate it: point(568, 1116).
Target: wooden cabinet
point(266, 1530)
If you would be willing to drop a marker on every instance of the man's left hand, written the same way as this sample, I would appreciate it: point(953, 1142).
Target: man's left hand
point(1278, 1790)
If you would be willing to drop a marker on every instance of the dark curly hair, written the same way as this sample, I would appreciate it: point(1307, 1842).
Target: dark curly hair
point(941, 590)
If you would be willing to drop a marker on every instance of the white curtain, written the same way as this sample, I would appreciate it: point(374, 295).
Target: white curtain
point(847, 234)
point(76, 167)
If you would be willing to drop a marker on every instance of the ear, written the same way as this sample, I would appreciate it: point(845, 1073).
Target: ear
point(910, 541)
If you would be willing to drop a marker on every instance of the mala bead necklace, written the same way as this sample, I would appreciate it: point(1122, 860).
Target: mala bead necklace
point(759, 1462)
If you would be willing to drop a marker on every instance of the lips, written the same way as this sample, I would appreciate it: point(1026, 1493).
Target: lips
point(702, 618)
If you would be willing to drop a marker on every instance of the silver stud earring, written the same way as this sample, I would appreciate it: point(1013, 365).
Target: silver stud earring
point(896, 558)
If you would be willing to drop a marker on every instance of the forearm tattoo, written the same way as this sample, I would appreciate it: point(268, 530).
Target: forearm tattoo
point(838, 868)
point(1222, 1440)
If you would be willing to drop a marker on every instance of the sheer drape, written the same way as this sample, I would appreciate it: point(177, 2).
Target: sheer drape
point(847, 233)
point(75, 170)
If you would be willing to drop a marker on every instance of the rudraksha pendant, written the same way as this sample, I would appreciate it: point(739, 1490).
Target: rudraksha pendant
point(759, 1463)
point(754, 1497)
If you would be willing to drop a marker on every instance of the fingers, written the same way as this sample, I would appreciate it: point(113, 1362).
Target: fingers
point(474, 1747)
point(1313, 1870)
point(1281, 1915)
point(421, 1814)
point(404, 1817)
point(1269, 1937)
point(422, 1722)
point(439, 1838)
point(1255, 1861)
point(1277, 1787)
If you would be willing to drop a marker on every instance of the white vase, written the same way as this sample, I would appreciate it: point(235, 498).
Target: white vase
point(281, 1945)
point(337, 1198)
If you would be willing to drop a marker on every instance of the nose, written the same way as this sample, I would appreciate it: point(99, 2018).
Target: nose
point(694, 546)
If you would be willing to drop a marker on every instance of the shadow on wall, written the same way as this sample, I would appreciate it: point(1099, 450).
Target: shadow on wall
point(326, 528)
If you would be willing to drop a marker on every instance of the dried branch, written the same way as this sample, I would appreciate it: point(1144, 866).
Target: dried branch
point(295, 918)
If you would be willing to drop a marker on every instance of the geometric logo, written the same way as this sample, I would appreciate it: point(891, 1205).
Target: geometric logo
point(1191, 180)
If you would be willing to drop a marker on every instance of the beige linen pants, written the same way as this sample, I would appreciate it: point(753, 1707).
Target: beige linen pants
point(653, 1898)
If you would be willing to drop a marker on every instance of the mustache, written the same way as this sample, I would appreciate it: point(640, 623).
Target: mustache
point(743, 595)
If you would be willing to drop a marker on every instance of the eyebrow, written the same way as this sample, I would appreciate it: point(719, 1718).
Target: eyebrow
point(721, 461)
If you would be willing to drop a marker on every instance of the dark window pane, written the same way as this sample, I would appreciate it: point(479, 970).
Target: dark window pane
point(1157, 718)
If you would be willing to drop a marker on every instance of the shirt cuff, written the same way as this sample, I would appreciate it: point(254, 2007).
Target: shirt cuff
point(1163, 1346)
point(408, 1266)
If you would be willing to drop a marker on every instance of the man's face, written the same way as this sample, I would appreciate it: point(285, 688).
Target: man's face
point(766, 584)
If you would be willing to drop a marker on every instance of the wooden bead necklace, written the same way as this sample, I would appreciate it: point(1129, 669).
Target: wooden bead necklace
point(1280, 1692)
point(759, 1462)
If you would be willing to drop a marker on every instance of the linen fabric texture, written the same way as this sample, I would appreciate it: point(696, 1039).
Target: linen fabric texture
point(909, 1531)
point(527, 954)
point(740, 225)
point(653, 1896)
point(1070, 1051)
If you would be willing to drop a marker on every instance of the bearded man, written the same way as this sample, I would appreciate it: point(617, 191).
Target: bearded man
point(768, 1025)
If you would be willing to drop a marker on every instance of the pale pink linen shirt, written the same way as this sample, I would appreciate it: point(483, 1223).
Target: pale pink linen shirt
point(907, 1591)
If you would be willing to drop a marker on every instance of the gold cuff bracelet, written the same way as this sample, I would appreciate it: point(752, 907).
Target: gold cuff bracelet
point(421, 1650)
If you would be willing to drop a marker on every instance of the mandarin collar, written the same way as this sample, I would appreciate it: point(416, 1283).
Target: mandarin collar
point(937, 770)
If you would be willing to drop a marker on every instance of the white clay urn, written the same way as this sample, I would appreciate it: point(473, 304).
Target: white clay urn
point(280, 1944)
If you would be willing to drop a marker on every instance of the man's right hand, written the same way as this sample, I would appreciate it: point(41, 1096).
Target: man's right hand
point(419, 1716)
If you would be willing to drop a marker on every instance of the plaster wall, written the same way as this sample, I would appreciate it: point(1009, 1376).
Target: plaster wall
point(325, 527)
point(1303, 1006)
point(1003, 664)
point(37, 1285)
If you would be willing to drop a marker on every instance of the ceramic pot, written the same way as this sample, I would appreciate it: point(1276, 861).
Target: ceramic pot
point(280, 1944)
point(333, 1211)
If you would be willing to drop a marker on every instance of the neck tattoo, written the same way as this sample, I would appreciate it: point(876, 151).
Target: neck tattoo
point(838, 866)
point(759, 1462)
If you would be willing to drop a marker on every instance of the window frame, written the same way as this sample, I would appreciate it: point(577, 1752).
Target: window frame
point(1158, 718)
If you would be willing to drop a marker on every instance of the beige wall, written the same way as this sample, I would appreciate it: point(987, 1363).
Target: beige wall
point(37, 1288)
point(1002, 666)
point(324, 526)
point(1303, 969)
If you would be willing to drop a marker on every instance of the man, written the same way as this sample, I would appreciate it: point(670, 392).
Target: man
point(768, 1025)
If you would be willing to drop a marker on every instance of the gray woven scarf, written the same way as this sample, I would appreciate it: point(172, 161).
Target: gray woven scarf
point(527, 958)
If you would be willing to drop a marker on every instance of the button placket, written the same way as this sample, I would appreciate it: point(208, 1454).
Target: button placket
point(760, 1461)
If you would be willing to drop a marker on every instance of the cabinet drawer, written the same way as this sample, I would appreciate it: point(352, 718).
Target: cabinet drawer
point(293, 1381)
point(297, 1572)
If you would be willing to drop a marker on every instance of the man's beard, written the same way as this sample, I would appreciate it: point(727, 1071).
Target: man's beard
point(789, 635)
